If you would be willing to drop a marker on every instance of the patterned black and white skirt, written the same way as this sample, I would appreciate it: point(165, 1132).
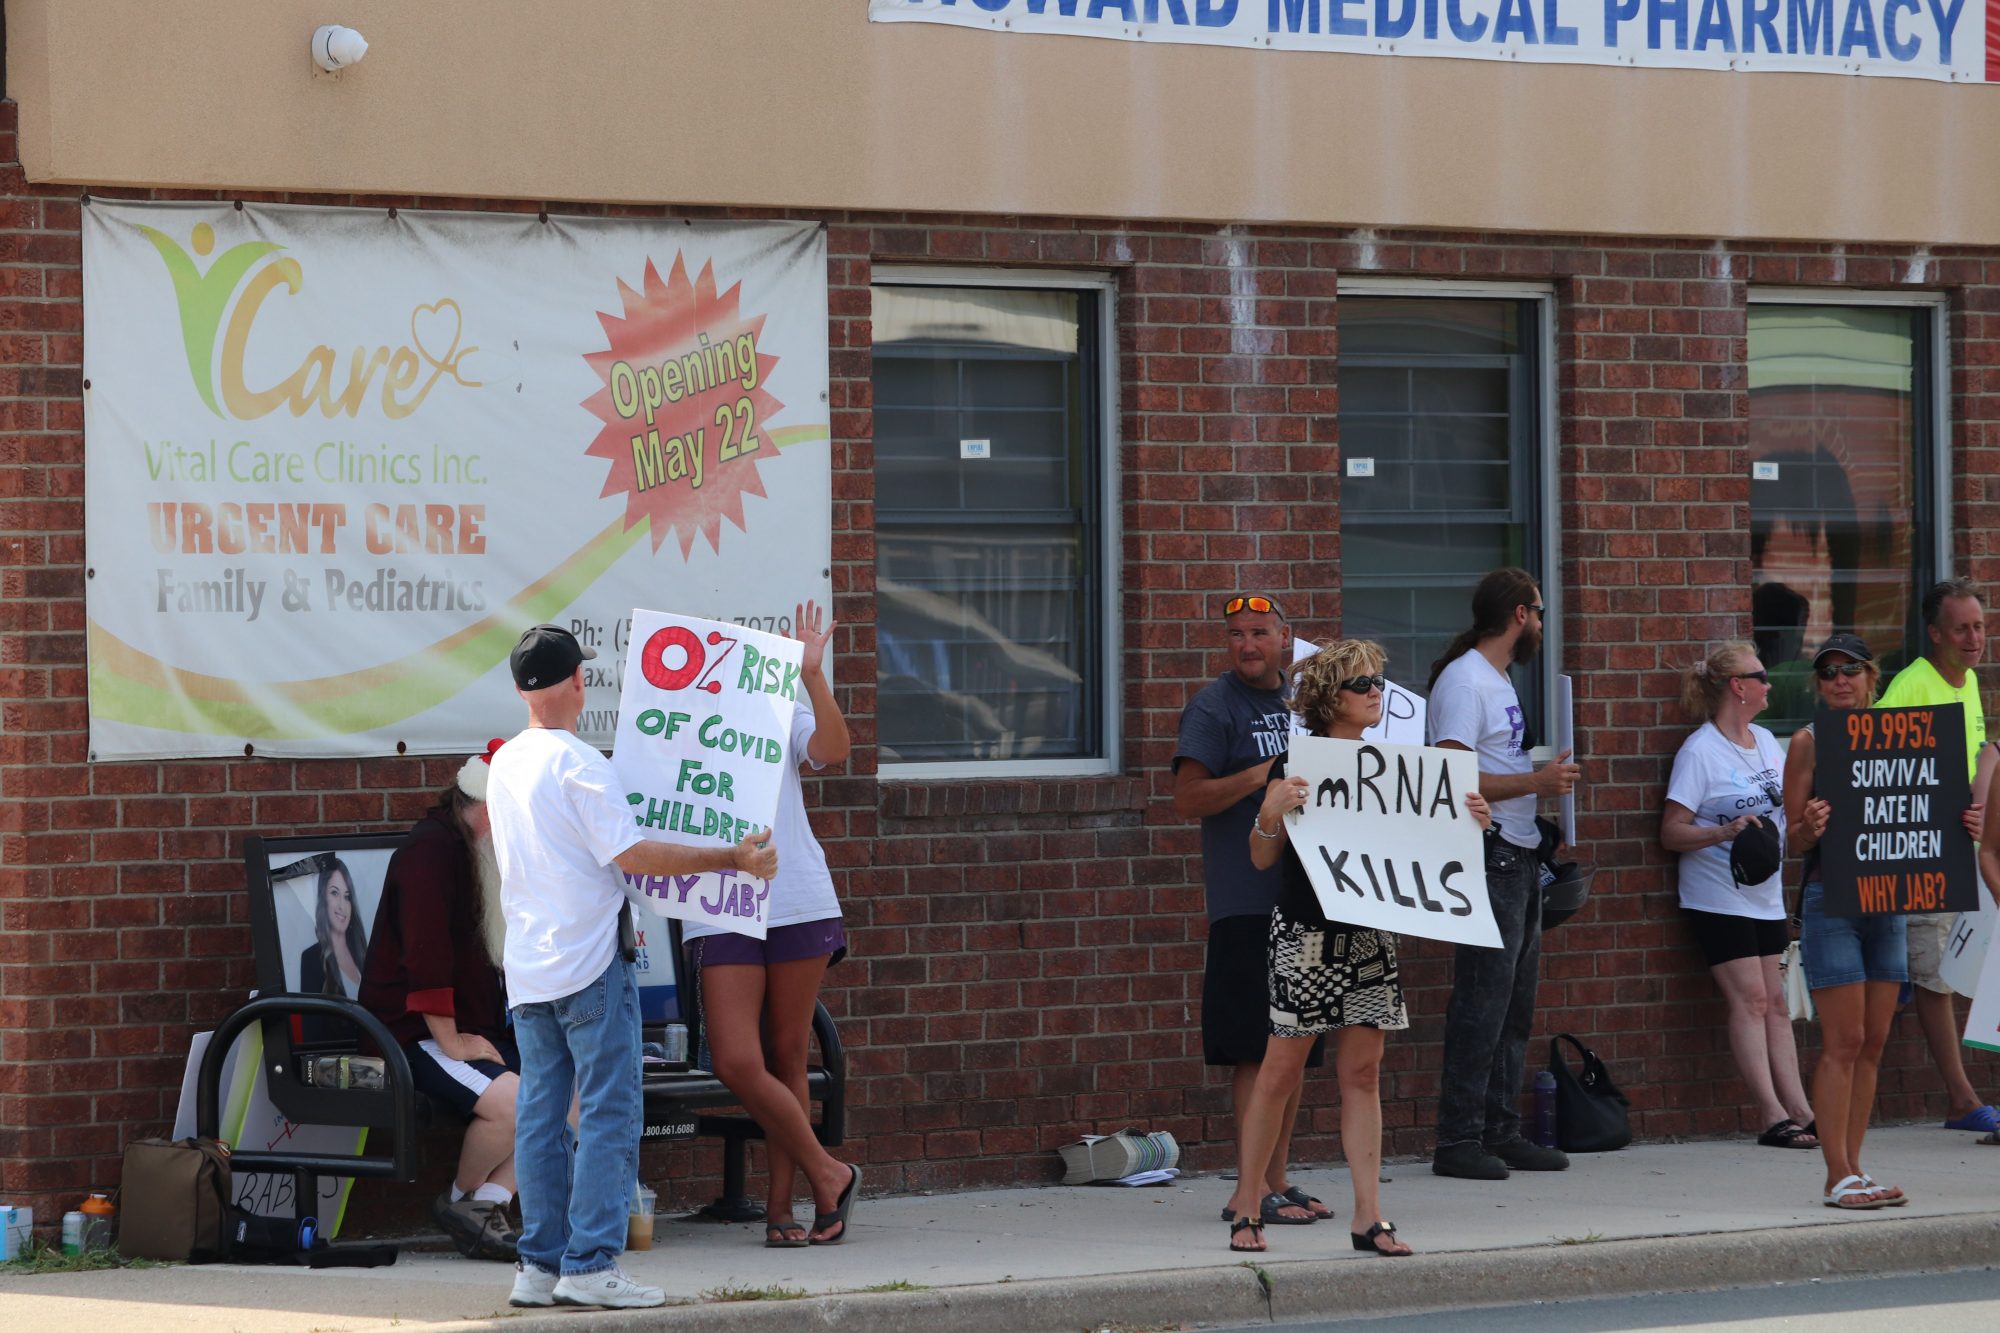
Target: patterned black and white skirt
point(1323, 979)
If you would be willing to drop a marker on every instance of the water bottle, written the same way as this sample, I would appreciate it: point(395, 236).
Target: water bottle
point(1545, 1109)
point(72, 1233)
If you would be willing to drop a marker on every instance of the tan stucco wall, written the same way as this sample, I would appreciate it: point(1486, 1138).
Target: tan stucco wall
point(804, 103)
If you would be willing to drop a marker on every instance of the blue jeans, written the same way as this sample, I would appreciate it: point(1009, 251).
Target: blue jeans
point(589, 1041)
point(1848, 950)
point(1492, 1009)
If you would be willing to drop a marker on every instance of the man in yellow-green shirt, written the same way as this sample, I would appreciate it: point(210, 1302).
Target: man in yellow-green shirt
point(1955, 621)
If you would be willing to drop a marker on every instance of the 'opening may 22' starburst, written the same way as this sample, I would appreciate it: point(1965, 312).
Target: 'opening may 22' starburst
point(683, 404)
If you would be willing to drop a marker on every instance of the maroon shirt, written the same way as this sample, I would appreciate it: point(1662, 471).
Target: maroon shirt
point(425, 955)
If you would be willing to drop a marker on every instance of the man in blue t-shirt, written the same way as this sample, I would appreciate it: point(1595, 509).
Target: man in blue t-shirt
point(1230, 732)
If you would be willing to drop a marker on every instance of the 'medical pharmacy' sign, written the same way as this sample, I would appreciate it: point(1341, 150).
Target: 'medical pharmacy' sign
point(1913, 39)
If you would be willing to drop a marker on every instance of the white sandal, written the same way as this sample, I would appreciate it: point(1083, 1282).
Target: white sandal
point(1896, 1200)
point(1850, 1188)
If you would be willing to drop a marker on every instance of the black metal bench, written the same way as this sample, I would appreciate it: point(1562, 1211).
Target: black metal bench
point(679, 1104)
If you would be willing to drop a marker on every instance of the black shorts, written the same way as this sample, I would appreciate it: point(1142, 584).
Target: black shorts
point(1724, 938)
point(458, 1084)
point(1236, 994)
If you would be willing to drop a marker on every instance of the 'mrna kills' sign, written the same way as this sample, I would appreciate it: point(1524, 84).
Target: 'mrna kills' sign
point(1387, 840)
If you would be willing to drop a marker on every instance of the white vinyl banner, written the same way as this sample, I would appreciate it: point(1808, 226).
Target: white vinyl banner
point(337, 459)
point(1387, 840)
point(704, 737)
point(1914, 39)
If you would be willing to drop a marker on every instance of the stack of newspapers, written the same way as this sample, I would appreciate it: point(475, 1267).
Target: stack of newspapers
point(1125, 1158)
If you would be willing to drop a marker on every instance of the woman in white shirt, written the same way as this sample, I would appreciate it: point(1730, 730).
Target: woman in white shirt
point(757, 996)
point(1725, 817)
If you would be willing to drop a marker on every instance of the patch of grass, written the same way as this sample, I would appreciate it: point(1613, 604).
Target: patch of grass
point(47, 1258)
point(1587, 1238)
point(1263, 1277)
point(899, 1284)
point(733, 1292)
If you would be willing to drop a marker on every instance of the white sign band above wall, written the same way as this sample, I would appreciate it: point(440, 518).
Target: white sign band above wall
point(337, 459)
point(1946, 40)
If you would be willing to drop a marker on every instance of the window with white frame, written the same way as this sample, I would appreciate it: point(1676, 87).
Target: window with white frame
point(1443, 440)
point(992, 478)
point(1847, 476)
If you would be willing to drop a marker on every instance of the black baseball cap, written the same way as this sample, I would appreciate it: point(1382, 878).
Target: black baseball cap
point(1754, 854)
point(1853, 645)
point(546, 655)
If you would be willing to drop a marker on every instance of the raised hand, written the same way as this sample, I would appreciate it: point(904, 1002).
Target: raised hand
point(811, 627)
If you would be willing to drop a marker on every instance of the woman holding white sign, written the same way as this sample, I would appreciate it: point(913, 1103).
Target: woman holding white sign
point(1325, 976)
point(1725, 817)
point(1855, 965)
point(757, 996)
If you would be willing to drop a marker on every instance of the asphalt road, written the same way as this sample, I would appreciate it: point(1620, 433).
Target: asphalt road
point(1967, 1301)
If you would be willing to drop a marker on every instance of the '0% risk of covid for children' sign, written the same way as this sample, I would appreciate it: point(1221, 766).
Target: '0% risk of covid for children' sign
point(704, 735)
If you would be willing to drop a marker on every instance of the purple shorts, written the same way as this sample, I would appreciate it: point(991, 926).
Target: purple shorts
point(785, 944)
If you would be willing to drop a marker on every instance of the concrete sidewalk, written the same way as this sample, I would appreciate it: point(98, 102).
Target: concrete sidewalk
point(1653, 1217)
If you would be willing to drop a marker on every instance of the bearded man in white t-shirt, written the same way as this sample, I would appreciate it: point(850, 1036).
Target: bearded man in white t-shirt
point(563, 833)
point(1473, 706)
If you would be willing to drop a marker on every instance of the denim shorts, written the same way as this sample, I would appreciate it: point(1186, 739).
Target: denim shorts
point(1844, 950)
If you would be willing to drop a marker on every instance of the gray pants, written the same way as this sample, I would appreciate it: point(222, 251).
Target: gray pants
point(1492, 1010)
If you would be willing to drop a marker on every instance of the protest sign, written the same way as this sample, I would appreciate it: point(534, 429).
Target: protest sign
point(1566, 745)
point(1965, 948)
point(1982, 1025)
point(1896, 780)
point(1387, 841)
point(704, 735)
point(1403, 711)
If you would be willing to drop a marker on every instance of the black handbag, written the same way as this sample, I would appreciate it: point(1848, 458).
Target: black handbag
point(1590, 1111)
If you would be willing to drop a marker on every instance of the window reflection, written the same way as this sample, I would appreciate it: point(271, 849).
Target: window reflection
point(1840, 518)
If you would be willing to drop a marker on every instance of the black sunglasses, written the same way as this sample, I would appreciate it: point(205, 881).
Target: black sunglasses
point(1761, 677)
point(1538, 610)
point(1365, 684)
point(1835, 671)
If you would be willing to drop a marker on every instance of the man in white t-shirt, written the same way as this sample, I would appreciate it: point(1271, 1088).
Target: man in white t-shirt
point(1473, 706)
point(562, 833)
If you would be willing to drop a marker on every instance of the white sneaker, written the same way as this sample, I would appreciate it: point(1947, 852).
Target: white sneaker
point(609, 1288)
point(532, 1286)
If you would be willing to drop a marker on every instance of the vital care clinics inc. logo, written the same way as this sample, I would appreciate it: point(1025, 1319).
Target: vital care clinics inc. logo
point(218, 325)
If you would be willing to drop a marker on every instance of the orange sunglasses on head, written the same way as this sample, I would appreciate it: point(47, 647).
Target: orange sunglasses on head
point(1258, 604)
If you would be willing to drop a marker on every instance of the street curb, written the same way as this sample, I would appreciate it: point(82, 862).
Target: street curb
point(1317, 1289)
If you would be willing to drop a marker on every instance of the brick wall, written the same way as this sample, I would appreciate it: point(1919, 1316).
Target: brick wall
point(1026, 954)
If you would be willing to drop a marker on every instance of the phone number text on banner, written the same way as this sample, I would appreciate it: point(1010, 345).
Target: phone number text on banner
point(1913, 39)
point(337, 459)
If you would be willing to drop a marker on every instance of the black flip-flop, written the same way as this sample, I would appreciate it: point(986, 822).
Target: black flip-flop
point(843, 1208)
point(1298, 1195)
point(1254, 1227)
point(783, 1239)
point(1786, 1134)
point(1268, 1210)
